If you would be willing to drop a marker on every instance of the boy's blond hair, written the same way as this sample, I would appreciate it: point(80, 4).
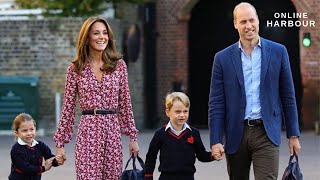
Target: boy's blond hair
point(177, 96)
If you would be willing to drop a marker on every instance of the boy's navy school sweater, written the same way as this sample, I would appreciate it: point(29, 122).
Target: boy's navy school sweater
point(177, 153)
point(27, 161)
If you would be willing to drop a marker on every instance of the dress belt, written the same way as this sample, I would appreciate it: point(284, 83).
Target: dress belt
point(253, 122)
point(99, 111)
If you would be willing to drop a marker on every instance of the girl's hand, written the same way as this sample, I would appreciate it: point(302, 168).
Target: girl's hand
point(48, 164)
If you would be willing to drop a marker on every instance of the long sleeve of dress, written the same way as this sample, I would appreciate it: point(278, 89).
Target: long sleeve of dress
point(64, 131)
point(126, 118)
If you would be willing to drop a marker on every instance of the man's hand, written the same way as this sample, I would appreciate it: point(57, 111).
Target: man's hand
point(217, 151)
point(294, 145)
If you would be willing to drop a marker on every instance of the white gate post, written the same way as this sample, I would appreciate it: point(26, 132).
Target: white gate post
point(58, 107)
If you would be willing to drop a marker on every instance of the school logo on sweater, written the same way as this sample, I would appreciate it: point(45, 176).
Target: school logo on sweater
point(190, 140)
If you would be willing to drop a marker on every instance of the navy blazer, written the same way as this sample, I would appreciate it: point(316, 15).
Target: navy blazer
point(227, 99)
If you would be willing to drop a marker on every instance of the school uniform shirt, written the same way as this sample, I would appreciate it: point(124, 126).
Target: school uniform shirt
point(26, 161)
point(178, 153)
point(184, 127)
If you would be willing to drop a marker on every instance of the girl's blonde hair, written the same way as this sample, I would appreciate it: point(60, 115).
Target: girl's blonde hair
point(177, 96)
point(23, 117)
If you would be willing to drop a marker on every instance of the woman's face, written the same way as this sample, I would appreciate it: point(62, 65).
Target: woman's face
point(98, 37)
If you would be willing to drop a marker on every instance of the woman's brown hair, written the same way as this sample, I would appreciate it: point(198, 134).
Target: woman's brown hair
point(110, 54)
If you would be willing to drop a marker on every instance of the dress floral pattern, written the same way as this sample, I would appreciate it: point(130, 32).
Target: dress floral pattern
point(98, 151)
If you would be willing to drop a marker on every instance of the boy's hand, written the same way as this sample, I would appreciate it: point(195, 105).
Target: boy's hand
point(217, 151)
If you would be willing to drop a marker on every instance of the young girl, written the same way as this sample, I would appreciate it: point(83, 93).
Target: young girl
point(27, 154)
point(178, 142)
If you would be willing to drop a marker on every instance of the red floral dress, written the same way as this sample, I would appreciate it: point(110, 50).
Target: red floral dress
point(98, 151)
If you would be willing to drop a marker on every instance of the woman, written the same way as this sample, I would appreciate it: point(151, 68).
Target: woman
point(98, 76)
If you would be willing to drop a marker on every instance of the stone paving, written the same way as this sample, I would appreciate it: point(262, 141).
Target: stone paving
point(309, 158)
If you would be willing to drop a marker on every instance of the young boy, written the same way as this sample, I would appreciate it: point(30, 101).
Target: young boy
point(178, 142)
point(27, 154)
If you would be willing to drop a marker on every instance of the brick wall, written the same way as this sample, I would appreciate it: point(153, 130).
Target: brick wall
point(128, 13)
point(43, 48)
point(310, 63)
point(172, 51)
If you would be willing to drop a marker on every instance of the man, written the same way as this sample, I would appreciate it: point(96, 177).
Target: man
point(251, 91)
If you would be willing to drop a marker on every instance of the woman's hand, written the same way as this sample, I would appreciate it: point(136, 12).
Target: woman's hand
point(133, 148)
point(61, 155)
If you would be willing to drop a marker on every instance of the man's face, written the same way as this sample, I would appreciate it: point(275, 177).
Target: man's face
point(247, 23)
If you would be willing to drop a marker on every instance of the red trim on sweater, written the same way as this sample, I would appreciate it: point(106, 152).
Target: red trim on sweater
point(177, 137)
point(212, 157)
point(18, 170)
point(42, 169)
point(148, 175)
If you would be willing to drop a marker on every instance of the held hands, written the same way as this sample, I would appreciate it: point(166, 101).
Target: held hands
point(61, 156)
point(48, 164)
point(133, 148)
point(217, 151)
point(294, 145)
